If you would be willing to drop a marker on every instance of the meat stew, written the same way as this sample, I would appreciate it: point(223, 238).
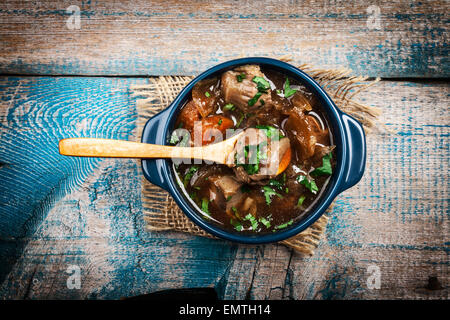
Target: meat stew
point(291, 132)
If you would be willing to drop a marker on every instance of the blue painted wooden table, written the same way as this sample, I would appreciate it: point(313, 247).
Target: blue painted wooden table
point(60, 78)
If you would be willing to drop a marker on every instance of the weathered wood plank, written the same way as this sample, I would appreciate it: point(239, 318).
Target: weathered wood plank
point(396, 218)
point(100, 228)
point(410, 38)
point(34, 114)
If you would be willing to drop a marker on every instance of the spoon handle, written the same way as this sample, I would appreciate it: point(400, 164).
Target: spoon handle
point(109, 148)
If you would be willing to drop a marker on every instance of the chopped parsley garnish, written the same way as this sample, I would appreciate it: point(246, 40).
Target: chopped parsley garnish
point(310, 184)
point(254, 160)
point(262, 84)
point(228, 198)
point(253, 221)
point(236, 224)
point(207, 94)
point(189, 175)
point(180, 136)
point(279, 183)
point(288, 91)
point(269, 193)
point(240, 77)
point(240, 120)
point(220, 122)
point(205, 204)
point(174, 138)
point(275, 183)
point(300, 200)
point(271, 132)
point(253, 100)
point(325, 169)
point(284, 225)
point(229, 106)
point(265, 222)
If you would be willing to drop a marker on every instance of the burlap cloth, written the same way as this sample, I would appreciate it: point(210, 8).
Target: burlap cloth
point(162, 213)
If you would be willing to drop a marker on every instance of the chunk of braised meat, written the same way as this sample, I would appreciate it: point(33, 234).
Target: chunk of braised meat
point(268, 167)
point(300, 101)
point(264, 163)
point(188, 116)
point(238, 87)
point(240, 205)
point(305, 132)
point(228, 185)
point(205, 95)
point(268, 115)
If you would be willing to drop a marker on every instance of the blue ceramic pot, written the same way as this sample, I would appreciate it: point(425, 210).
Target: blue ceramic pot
point(348, 136)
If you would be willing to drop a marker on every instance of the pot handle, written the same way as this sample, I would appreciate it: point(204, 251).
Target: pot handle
point(356, 152)
point(154, 169)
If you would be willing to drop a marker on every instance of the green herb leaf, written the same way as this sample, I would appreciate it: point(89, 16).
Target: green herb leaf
point(180, 137)
point(262, 84)
point(220, 122)
point(189, 175)
point(229, 106)
point(269, 193)
point(265, 222)
point(309, 184)
point(275, 183)
point(205, 204)
point(240, 120)
point(271, 132)
point(240, 77)
point(253, 100)
point(228, 198)
point(325, 169)
point(287, 89)
point(284, 225)
point(207, 94)
point(236, 224)
point(252, 166)
point(253, 221)
point(300, 200)
point(174, 138)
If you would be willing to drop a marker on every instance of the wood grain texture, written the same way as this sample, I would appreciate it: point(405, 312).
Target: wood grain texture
point(35, 113)
point(396, 218)
point(185, 37)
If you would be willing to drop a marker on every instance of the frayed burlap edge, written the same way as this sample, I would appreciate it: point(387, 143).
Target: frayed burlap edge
point(161, 213)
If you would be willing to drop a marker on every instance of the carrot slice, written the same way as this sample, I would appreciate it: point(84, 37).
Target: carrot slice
point(217, 122)
point(285, 160)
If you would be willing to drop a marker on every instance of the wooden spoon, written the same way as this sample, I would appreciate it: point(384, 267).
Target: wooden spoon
point(108, 148)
